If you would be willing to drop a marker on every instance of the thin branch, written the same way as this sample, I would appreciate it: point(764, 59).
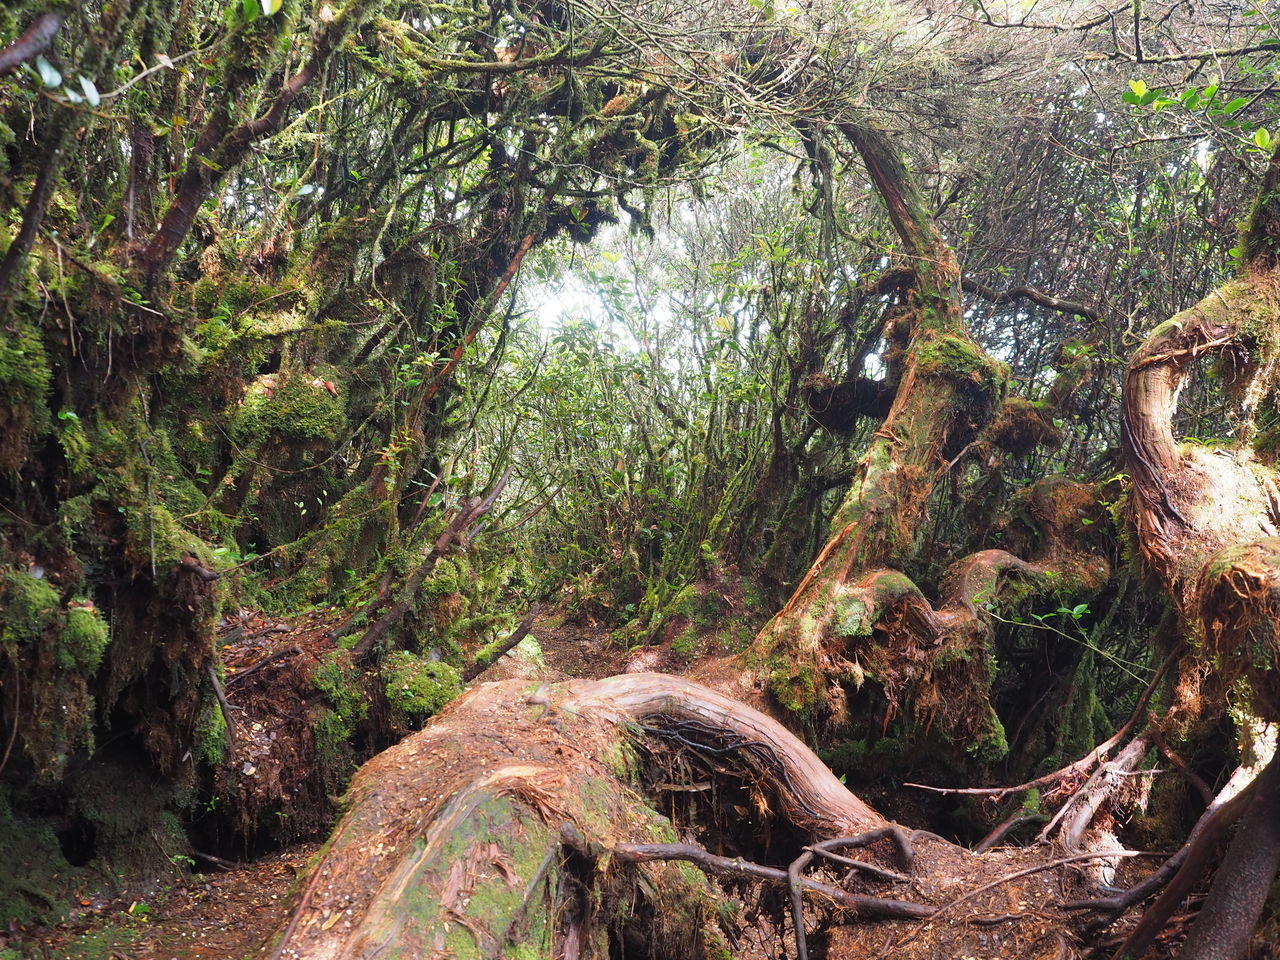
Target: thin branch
point(691, 853)
point(1034, 295)
point(513, 641)
point(1084, 763)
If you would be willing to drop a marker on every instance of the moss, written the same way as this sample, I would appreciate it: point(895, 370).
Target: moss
point(992, 746)
point(211, 738)
point(853, 617)
point(686, 645)
point(36, 883)
point(83, 639)
point(25, 377)
point(301, 408)
point(960, 359)
point(31, 605)
point(798, 691)
point(338, 679)
point(528, 650)
point(417, 686)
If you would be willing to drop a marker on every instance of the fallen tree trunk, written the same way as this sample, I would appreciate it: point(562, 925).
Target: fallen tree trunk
point(517, 824)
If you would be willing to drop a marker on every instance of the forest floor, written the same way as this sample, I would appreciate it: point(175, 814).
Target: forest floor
point(230, 914)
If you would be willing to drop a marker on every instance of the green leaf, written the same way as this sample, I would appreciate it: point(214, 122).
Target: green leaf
point(1262, 137)
point(50, 77)
point(1235, 105)
point(251, 10)
point(1079, 610)
point(270, 7)
point(1139, 87)
point(90, 90)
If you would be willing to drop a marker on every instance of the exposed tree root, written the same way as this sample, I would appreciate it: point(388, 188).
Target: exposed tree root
point(1228, 917)
point(514, 819)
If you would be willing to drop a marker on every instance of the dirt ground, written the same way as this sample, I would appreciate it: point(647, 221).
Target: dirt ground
point(228, 914)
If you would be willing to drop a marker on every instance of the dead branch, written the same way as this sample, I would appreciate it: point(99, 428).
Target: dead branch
point(1230, 914)
point(1177, 875)
point(691, 853)
point(1078, 812)
point(1019, 874)
point(513, 641)
point(451, 534)
point(1079, 766)
point(1025, 292)
point(225, 707)
point(266, 661)
point(1003, 830)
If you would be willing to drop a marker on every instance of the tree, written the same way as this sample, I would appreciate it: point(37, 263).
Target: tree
point(308, 222)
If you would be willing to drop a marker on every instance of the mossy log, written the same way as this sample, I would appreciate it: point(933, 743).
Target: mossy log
point(509, 827)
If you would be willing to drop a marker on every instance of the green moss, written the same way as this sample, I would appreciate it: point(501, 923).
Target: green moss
point(993, 746)
point(339, 680)
point(528, 650)
point(417, 686)
point(211, 739)
point(301, 408)
point(686, 644)
point(853, 618)
point(959, 359)
point(30, 606)
point(83, 639)
point(25, 377)
point(797, 690)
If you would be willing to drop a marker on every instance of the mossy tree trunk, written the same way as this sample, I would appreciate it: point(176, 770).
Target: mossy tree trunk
point(1205, 519)
point(856, 613)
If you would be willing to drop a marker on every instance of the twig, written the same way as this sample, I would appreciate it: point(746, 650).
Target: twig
point(1000, 832)
point(1019, 874)
point(691, 853)
point(226, 707)
point(860, 865)
point(216, 861)
point(265, 661)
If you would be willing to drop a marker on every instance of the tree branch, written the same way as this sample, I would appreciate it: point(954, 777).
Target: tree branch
point(863, 906)
point(34, 41)
point(1030, 293)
